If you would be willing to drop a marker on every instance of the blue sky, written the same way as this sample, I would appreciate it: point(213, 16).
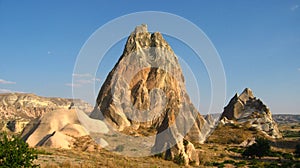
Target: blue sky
point(258, 42)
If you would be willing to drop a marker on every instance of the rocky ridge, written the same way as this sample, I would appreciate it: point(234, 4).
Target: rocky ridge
point(17, 109)
point(286, 118)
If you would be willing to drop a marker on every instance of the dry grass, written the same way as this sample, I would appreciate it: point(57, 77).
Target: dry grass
point(103, 158)
point(287, 144)
point(230, 134)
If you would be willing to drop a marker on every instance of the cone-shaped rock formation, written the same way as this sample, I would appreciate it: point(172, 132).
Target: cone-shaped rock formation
point(145, 91)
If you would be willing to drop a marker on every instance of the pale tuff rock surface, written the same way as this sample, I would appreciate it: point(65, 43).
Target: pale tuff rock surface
point(17, 109)
point(58, 129)
point(146, 90)
point(247, 108)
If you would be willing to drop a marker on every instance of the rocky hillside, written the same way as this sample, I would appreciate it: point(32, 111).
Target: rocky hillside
point(246, 108)
point(17, 109)
point(30, 106)
point(145, 92)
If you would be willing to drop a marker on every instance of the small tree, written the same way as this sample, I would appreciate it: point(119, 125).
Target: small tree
point(14, 152)
point(119, 148)
point(260, 148)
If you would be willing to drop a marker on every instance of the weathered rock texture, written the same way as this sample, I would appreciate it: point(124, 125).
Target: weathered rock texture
point(247, 108)
point(17, 109)
point(146, 90)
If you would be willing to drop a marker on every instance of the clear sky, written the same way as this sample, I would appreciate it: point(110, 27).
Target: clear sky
point(258, 42)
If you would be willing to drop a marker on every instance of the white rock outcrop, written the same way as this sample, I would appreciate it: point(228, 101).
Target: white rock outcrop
point(59, 129)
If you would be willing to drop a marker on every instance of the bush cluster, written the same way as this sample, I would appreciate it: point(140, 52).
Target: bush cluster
point(14, 152)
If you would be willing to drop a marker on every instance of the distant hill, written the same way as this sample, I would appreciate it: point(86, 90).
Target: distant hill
point(18, 109)
point(286, 118)
point(278, 118)
point(31, 106)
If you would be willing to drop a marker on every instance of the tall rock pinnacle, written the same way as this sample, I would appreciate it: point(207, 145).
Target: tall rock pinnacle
point(145, 90)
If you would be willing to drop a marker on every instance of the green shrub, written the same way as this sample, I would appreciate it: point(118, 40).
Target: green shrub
point(119, 148)
point(240, 163)
point(219, 165)
point(256, 164)
point(260, 148)
point(215, 164)
point(291, 134)
point(159, 155)
point(236, 150)
point(229, 162)
point(297, 151)
point(133, 150)
point(222, 155)
point(272, 165)
point(179, 159)
point(14, 152)
point(192, 163)
point(185, 142)
point(208, 164)
point(287, 156)
point(290, 164)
